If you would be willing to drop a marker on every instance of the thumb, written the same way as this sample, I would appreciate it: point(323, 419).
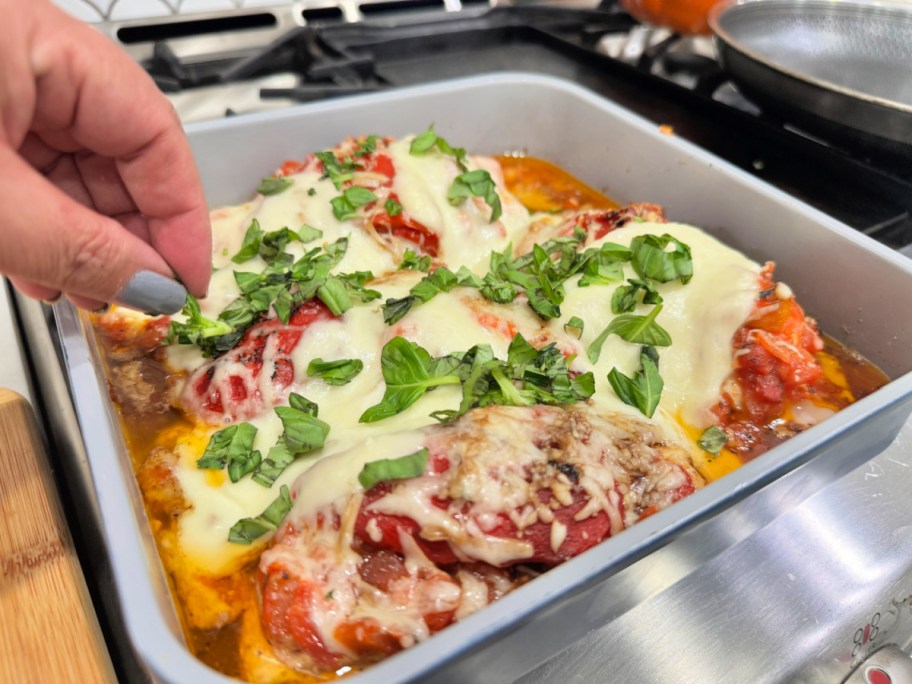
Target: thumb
point(52, 241)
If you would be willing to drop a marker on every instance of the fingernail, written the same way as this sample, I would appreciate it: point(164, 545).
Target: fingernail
point(153, 293)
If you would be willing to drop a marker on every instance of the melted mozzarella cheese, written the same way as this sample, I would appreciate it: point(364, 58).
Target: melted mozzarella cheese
point(466, 234)
point(701, 317)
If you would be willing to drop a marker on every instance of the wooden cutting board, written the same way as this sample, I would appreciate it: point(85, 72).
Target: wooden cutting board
point(48, 628)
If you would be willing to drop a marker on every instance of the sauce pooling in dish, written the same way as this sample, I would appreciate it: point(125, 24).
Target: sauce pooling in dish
point(362, 567)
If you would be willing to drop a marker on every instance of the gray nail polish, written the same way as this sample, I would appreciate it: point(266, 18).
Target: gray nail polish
point(153, 293)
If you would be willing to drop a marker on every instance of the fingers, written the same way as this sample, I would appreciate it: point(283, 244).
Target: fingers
point(52, 243)
point(88, 93)
point(35, 291)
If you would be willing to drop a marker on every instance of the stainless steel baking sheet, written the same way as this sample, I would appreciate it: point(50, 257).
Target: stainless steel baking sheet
point(860, 291)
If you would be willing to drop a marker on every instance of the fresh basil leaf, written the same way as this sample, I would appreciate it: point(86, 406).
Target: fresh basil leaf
point(231, 447)
point(521, 352)
point(644, 390)
point(197, 329)
point(441, 280)
point(597, 272)
point(274, 185)
point(465, 278)
point(392, 207)
point(632, 328)
point(334, 294)
point(282, 305)
point(386, 469)
point(250, 247)
point(412, 261)
point(346, 205)
point(713, 439)
point(244, 465)
point(308, 233)
point(303, 432)
point(407, 372)
point(216, 454)
point(247, 282)
point(575, 326)
point(247, 530)
point(366, 146)
point(303, 404)
point(477, 183)
point(339, 372)
point(338, 172)
point(275, 463)
point(497, 289)
point(651, 258)
point(624, 298)
point(274, 243)
point(423, 142)
point(395, 309)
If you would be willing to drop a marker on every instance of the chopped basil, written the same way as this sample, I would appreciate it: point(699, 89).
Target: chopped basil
point(303, 432)
point(197, 327)
point(334, 294)
point(424, 142)
point(311, 192)
point(477, 183)
point(338, 172)
point(632, 328)
point(232, 448)
point(247, 530)
point(651, 259)
point(407, 372)
point(303, 404)
point(339, 372)
point(385, 469)
point(250, 247)
point(308, 233)
point(713, 439)
point(274, 185)
point(441, 280)
point(411, 261)
point(366, 146)
point(575, 326)
point(392, 207)
point(624, 298)
point(644, 389)
point(346, 205)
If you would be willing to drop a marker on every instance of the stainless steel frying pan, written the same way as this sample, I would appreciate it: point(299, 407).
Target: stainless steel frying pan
point(837, 66)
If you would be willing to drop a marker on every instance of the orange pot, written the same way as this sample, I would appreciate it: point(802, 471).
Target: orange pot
point(682, 16)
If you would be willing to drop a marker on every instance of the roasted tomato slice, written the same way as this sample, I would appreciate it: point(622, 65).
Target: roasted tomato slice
point(403, 226)
point(230, 386)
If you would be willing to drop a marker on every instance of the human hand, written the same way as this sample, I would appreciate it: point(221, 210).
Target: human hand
point(97, 183)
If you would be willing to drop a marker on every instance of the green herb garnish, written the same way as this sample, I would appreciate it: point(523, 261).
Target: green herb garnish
point(346, 205)
point(386, 469)
point(407, 371)
point(274, 185)
point(477, 183)
point(713, 439)
point(339, 372)
point(392, 207)
point(632, 328)
point(644, 389)
point(248, 530)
